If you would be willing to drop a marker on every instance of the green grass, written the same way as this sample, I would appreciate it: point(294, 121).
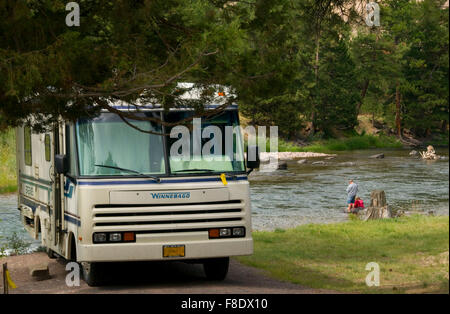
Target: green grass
point(439, 140)
point(8, 181)
point(342, 144)
point(412, 254)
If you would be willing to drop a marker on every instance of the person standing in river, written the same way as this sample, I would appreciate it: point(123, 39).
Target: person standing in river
point(352, 190)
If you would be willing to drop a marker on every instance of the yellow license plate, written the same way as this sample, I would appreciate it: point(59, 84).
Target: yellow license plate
point(173, 251)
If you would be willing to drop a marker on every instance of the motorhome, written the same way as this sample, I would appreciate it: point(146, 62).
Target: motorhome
point(103, 189)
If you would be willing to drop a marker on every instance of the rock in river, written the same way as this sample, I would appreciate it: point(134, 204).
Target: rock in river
point(347, 164)
point(303, 161)
point(377, 156)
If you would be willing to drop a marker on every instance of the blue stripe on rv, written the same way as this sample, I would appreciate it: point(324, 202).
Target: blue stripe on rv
point(73, 220)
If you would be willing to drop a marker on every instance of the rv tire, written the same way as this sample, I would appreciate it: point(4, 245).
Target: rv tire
point(91, 273)
point(216, 268)
point(50, 253)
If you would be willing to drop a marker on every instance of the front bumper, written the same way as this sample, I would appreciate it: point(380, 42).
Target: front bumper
point(125, 252)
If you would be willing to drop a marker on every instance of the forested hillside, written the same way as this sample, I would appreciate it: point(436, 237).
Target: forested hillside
point(310, 67)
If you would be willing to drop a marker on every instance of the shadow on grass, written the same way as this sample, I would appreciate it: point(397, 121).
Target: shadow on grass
point(320, 279)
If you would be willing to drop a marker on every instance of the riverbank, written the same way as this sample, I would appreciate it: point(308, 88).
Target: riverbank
point(364, 136)
point(412, 253)
point(356, 142)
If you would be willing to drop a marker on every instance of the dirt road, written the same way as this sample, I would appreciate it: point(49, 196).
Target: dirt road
point(164, 278)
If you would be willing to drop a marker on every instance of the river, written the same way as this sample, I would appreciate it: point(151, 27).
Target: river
point(307, 193)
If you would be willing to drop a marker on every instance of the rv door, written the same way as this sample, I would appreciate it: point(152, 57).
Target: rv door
point(58, 214)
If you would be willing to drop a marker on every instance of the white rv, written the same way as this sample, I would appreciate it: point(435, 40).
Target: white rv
point(98, 190)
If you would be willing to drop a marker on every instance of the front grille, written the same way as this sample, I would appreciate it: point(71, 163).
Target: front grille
point(155, 218)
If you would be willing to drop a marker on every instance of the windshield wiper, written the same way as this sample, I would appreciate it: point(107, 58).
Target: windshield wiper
point(131, 171)
point(228, 174)
point(195, 170)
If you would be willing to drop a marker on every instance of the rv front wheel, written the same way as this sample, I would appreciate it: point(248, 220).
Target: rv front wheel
point(91, 273)
point(216, 268)
point(51, 253)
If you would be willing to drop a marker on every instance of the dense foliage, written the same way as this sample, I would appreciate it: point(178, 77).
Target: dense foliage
point(308, 66)
point(403, 66)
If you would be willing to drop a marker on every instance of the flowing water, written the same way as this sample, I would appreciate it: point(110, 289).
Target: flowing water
point(307, 193)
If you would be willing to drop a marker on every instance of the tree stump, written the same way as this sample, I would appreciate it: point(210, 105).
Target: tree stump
point(378, 208)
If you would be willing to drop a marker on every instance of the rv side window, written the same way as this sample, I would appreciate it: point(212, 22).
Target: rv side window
point(47, 147)
point(27, 145)
point(71, 150)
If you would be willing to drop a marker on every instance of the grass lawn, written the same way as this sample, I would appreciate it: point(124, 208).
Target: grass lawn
point(412, 253)
point(8, 181)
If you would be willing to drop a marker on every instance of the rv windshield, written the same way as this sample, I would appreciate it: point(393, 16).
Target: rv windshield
point(217, 147)
point(107, 146)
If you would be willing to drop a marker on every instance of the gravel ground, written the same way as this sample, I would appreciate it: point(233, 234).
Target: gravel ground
point(150, 277)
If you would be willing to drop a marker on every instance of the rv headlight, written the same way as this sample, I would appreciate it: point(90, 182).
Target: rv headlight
point(225, 232)
point(115, 237)
point(99, 237)
point(238, 232)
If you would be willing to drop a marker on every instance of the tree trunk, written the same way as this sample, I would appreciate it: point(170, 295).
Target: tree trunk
point(444, 126)
point(316, 79)
point(398, 122)
point(378, 208)
point(363, 95)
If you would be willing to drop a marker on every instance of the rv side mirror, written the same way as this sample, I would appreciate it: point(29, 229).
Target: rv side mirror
point(61, 164)
point(253, 160)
